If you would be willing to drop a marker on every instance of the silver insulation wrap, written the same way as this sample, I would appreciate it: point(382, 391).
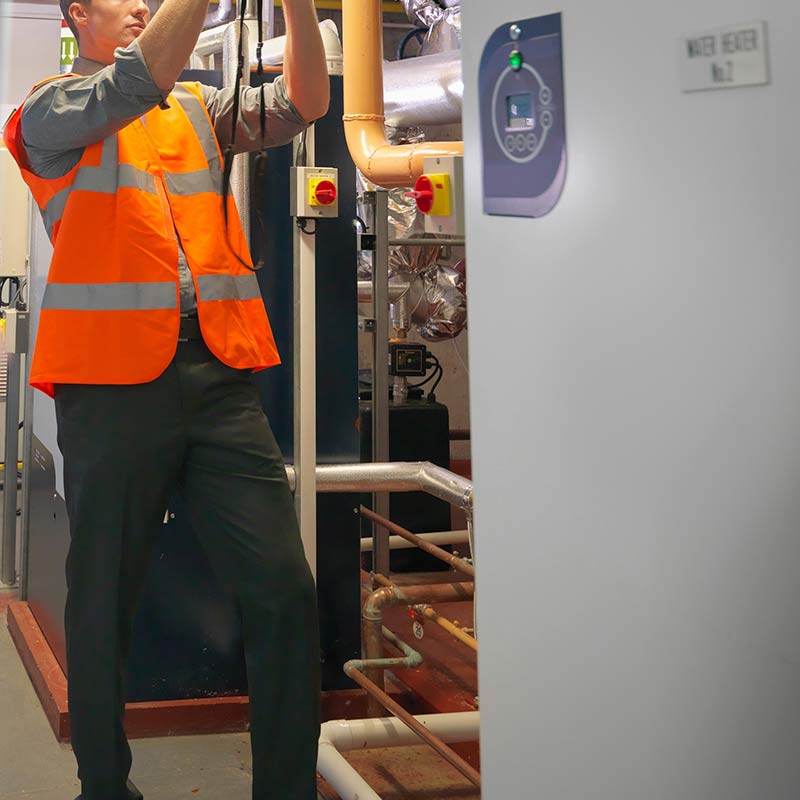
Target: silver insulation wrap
point(436, 298)
point(427, 90)
point(445, 34)
point(445, 298)
point(423, 12)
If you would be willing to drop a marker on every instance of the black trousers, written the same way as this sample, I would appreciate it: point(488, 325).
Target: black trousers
point(199, 428)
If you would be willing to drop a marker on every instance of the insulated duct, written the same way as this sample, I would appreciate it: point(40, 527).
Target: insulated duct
point(427, 90)
point(225, 12)
point(381, 163)
point(445, 34)
point(424, 13)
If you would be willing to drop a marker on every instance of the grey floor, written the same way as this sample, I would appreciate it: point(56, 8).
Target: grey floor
point(33, 765)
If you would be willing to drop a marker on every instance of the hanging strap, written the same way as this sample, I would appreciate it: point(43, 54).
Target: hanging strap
point(261, 158)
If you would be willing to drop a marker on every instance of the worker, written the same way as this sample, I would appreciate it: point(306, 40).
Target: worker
point(151, 326)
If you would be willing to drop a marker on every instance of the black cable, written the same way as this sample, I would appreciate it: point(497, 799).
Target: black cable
point(426, 380)
point(358, 221)
point(432, 392)
point(401, 47)
point(301, 223)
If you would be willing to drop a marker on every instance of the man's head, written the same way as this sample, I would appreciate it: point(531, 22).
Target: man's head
point(100, 26)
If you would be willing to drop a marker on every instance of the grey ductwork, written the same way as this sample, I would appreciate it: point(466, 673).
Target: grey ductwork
point(225, 13)
point(428, 90)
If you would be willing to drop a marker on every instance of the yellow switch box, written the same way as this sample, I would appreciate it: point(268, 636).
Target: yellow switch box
point(442, 206)
point(314, 192)
point(321, 192)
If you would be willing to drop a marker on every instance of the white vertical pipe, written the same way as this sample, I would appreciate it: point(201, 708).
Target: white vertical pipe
point(305, 380)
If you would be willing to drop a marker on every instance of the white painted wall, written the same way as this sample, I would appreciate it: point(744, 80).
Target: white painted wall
point(29, 48)
point(635, 391)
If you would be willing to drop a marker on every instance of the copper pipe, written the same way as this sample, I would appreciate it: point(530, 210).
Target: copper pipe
point(364, 126)
point(429, 613)
point(454, 561)
point(372, 619)
point(351, 670)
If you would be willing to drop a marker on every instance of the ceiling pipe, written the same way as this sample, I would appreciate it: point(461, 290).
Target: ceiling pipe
point(364, 123)
point(225, 12)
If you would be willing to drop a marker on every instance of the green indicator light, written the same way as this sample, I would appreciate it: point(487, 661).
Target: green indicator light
point(515, 60)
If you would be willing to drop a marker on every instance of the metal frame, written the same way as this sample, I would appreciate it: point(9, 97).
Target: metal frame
point(304, 352)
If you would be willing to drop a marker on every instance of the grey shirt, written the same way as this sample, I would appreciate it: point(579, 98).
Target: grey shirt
point(63, 117)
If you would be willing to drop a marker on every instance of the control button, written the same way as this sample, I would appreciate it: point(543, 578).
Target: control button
point(515, 60)
point(515, 32)
point(531, 140)
point(510, 143)
point(546, 119)
point(545, 95)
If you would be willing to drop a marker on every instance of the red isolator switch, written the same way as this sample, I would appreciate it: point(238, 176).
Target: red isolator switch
point(423, 194)
point(432, 193)
point(323, 192)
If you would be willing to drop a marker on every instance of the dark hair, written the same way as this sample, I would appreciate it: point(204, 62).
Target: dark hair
point(65, 4)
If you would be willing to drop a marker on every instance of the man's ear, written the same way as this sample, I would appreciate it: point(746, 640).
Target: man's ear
point(79, 14)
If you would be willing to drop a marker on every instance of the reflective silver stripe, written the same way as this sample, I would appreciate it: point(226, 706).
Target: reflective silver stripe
point(228, 287)
point(198, 116)
point(129, 177)
point(110, 296)
point(105, 179)
point(191, 182)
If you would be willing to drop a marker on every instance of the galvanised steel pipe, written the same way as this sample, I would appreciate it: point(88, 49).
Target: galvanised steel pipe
point(412, 476)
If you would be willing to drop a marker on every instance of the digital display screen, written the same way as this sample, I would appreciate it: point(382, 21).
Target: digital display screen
point(519, 111)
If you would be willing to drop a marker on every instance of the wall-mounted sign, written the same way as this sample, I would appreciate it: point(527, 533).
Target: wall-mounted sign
point(724, 58)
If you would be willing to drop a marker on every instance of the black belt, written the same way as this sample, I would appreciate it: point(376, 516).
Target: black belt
point(189, 330)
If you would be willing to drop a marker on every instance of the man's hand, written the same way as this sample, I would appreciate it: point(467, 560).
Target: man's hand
point(304, 67)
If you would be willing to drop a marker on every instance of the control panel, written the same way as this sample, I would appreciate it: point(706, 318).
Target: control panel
point(523, 129)
point(314, 192)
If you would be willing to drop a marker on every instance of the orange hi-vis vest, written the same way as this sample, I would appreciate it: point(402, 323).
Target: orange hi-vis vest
point(110, 312)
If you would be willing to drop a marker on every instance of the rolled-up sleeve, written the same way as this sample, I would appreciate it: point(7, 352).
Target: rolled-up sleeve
point(66, 115)
point(282, 120)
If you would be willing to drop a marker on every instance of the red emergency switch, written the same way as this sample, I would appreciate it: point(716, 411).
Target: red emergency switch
point(423, 194)
point(324, 193)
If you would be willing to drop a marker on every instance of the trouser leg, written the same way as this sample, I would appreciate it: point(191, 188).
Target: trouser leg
point(122, 452)
point(243, 512)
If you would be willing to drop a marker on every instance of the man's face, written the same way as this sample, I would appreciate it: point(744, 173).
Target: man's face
point(109, 24)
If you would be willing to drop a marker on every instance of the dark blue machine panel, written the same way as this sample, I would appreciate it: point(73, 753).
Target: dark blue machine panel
point(523, 130)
